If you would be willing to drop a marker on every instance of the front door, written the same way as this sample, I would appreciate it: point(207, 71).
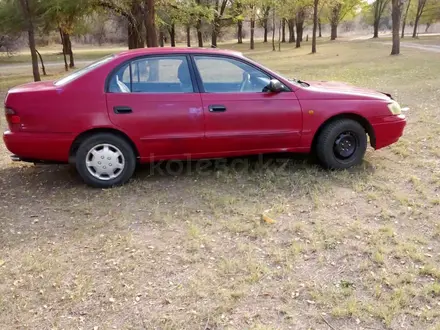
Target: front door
point(153, 100)
point(241, 116)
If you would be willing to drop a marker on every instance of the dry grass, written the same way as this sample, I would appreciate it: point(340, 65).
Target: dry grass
point(358, 249)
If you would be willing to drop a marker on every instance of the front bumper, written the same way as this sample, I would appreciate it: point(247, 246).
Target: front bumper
point(389, 130)
point(38, 146)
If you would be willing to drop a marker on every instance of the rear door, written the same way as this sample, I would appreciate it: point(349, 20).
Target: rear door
point(240, 114)
point(153, 99)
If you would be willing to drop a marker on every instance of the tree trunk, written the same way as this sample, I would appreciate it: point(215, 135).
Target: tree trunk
point(395, 15)
point(43, 68)
point(427, 27)
point(188, 35)
point(420, 8)
point(280, 33)
point(265, 29)
point(333, 32)
point(291, 25)
point(376, 18)
point(66, 67)
point(300, 16)
point(335, 18)
point(150, 23)
point(252, 32)
point(416, 25)
point(132, 42)
point(135, 38)
point(214, 32)
point(376, 29)
point(283, 30)
point(299, 33)
point(31, 36)
point(273, 30)
point(240, 32)
point(161, 38)
point(319, 29)
point(315, 25)
point(404, 18)
point(172, 32)
point(69, 50)
point(298, 39)
point(199, 32)
point(135, 26)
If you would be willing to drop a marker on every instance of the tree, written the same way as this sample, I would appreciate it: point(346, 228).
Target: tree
point(378, 9)
point(291, 26)
point(133, 12)
point(11, 24)
point(64, 16)
point(237, 9)
point(299, 21)
point(264, 19)
point(17, 17)
point(396, 14)
point(338, 11)
point(250, 8)
point(420, 8)
point(170, 14)
point(219, 12)
point(315, 24)
point(283, 30)
point(199, 24)
point(29, 21)
point(319, 28)
point(405, 17)
point(431, 14)
point(273, 28)
point(253, 9)
point(286, 11)
point(150, 23)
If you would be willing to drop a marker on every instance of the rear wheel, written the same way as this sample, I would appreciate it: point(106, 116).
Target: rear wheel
point(341, 144)
point(105, 160)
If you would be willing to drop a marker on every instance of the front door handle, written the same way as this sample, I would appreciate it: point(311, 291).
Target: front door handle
point(122, 110)
point(217, 108)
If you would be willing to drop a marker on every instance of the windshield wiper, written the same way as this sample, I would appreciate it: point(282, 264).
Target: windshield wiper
point(298, 81)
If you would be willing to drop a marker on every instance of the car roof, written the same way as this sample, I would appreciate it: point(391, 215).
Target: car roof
point(177, 50)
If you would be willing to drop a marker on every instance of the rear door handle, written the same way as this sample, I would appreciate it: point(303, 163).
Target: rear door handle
point(217, 108)
point(122, 110)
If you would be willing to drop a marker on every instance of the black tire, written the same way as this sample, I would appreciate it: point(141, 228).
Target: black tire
point(335, 143)
point(124, 147)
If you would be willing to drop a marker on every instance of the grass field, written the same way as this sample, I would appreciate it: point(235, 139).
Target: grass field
point(357, 249)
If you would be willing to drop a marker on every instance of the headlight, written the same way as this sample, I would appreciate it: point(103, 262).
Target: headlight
point(394, 108)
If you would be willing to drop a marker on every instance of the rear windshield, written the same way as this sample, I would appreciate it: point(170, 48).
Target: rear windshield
point(78, 73)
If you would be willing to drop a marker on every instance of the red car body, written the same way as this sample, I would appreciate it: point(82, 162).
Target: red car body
point(45, 119)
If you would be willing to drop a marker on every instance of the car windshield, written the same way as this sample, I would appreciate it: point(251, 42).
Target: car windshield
point(83, 71)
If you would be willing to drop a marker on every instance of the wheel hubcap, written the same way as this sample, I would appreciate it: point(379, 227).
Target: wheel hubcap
point(105, 161)
point(345, 145)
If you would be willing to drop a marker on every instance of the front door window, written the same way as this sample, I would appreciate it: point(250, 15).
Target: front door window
point(227, 75)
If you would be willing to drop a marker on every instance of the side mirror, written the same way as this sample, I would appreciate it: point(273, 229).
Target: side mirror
point(275, 86)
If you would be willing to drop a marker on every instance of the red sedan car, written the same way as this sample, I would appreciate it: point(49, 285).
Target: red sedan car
point(170, 103)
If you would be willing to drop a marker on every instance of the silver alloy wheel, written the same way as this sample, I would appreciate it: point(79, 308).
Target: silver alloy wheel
point(105, 161)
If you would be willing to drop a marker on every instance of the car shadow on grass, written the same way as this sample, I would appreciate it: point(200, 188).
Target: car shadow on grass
point(284, 163)
point(49, 177)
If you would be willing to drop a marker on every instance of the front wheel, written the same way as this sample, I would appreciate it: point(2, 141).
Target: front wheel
point(341, 144)
point(105, 160)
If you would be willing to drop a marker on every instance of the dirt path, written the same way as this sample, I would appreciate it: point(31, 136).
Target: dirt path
point(429, 48)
